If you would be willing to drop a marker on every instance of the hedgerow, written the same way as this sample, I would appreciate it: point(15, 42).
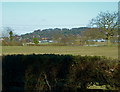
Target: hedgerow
point(58, 72)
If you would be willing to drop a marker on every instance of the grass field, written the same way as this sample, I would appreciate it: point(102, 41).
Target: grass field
point(111, 52)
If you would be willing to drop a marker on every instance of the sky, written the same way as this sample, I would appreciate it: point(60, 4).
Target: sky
point(25, 17)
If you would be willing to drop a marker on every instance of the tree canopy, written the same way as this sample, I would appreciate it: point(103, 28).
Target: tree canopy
point(106, 22)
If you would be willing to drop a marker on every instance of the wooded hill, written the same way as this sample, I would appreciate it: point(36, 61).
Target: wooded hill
point(50, 33)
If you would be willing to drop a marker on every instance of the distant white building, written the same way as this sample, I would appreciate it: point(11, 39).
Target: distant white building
point(101, 40)
point(98, 40)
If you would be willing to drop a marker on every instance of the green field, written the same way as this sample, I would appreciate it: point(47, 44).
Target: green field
point(74, 50)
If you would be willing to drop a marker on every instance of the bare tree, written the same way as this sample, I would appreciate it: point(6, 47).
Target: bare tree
point(106, 22)
point(5, 32)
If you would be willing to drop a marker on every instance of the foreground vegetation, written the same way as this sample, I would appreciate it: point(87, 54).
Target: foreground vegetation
point(111, 52)
point(57, 73)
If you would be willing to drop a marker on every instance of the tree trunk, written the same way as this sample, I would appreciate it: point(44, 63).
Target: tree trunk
point(108, 41)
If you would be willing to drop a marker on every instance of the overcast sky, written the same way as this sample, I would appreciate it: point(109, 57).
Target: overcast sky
point(25, 17)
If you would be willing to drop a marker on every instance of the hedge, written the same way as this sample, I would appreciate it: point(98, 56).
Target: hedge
point(49, 72)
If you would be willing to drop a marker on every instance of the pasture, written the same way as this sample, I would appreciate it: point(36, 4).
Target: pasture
point(110, 52)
